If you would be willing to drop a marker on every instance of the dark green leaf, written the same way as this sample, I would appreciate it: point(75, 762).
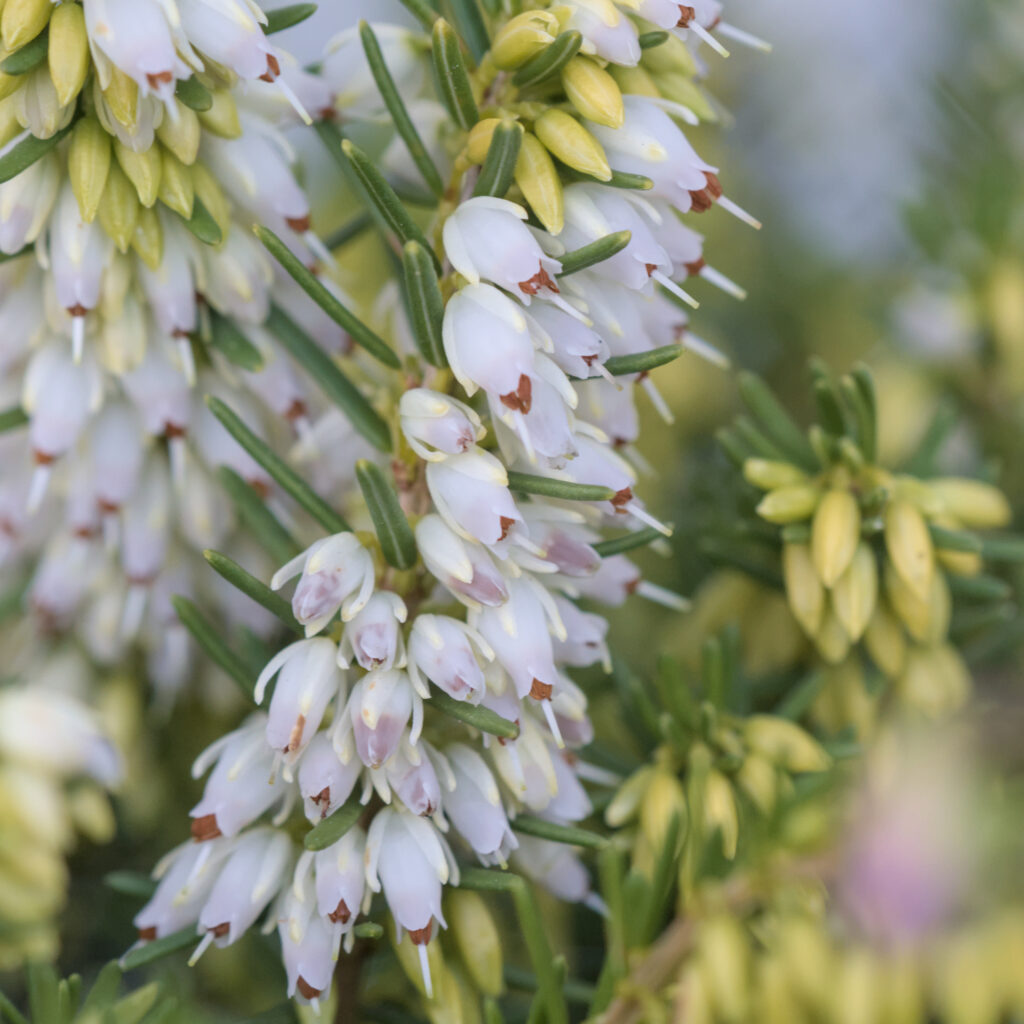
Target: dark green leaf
point(31, 55)
point(426, 304)
point(396, 107)
point(252, 509)
point(628, 542)
point(280, 18)
point(619, 179)
point(1003, 549)
point(42, 991)
point(286, 477)
point(9, 1012)
point(202, 224)
point(956, 540)
point(451, 76)
point(499, 165)
point(194, 94)
point(397, 543)
point(480, 718)
point(489, 880)
point(776, 421)
point(642, 362)
point(979, 588)
point(329, 303)
point(10, 419)
point(472, 27)
point(528, 483)
point(593, 253)
point(549, 61)
point(227, 338)
point(159, 948)
point(130, 883)
point(421, 11)
point(569, 834)
point(210, 638)
point(648, 40)
point(368, 930)
point(27, 152)
point(352, 229)
point(331, 829)
point(331, 379)
point(253, 587)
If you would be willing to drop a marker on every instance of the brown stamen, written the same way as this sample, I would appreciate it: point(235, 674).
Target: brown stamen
point(305, 989)
point(506, 525)
point(651, 268)
point(686, 15)
point(542, 279)
point(299, 224)
point(172, 430)
point(340, 913)
point(694, 268)
point(147, 934)
point(77, 310)
point(296, 734)
point(160, 78)
point(218, 931)
point(323, 801)
point(273, 69)
point(296, 410)
point(522, 398)
point(205, 827)
point(703, 199)
point(541, 691)
point(421, 936)
point(622, 499)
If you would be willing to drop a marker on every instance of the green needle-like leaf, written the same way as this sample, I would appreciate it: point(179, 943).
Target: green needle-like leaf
point(956, 540)
point(451, 76)
point(648, 40)
point(202, 224)
point(330, 377)
point(569, 834)
point(351, 229)
point(619, 179)
point(30, 56)
point(628, 542)
point(159, 948)
point(565, 489)
point(1003, 549)
point(253, 587)
point(227, 338)
point(369, 930)
point(596, 252)
point(287, 479)
point(979, 588)
point(27, 152)
point(396, 107)
point(499, 166)
point(426, 304)
point(194, 94)
point(642, 362)
point(329, 303)
point(281, 18)
point(384, 198)
point(10, 419)
point(212, 642)
point(331, 829)
point(489, 880)
point(421, 11)
point(480, 718)
point(778, 424)
point(549, 61)
point(130, 883)
point(397, 543)
point(253, 511)
point(472, 27)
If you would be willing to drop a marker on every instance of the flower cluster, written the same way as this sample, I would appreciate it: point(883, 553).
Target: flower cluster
point(504, 454)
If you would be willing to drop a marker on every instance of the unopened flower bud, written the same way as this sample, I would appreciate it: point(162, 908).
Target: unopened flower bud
point(177, 190)
point(856, 591)
point(791, 504)
point(477, 938)
point(886, 642)
point(832, 640)
point(22, 21)
point(523, 37)
point(975, 504)
point(804, 590)
point(786, 743)
point(181, 133)
point(119, 208)
point(593, 92)
point(221, 117)
point(142, 168)
point(67, 52)
point(835, 534)
point(720, 811)
point(540, 184)
point(909, 546)
point(770, 475)
point(913, 611)
point(576, 147)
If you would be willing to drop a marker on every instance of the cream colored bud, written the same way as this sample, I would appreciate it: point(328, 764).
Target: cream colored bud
point(142, 168)
point(593, 92)
point(181, 134)
point(148, 240)
point(91, 812)
point(10, 84)
point(68, 53)
point(634, 81)
point(222, 116)
point(22, 20)
point(692, 1001)
point(724, 955)
point(477, 938)
point(856, 592)
point(568, 140)
point(478, 142)
point(770, 475)
point(935, 681)
point(119, 208)
point(791, 504)
point(758, 777)
point(209, 192)
point(177, 191)
point(832, 640)
point(626, 802)
point(663, 800)
point(88, 165)
point(684, 90)
point(785, 743)
point(122, 96)
point(977, 505)
point(804, 589)
point(909, 545)
point(856, 988)
point(9, 126)
point(900, 994)
point(672, 56)
point(720, 811)
point(835, 534)
point(912, 610)
point(809, 962)
point(540, 184)
point(886, 642)
point(522, 38)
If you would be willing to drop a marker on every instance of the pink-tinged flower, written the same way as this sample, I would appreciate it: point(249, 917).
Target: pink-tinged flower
point(378, 711)
point(503, 366)
point(584, 643)
point(116, 454)
point(308, 945)
point(576, 349)
point(243, 784)
point(446, 650)
point(341, 879)
point(436, 425)
point(570, 707)
point(411, 774)
point(171, 288)
point(231, 32)
point(337, 573)
point(373, 636)
point(250, 878)
point(487, 239)
point(557, 868)
point(307, 681)
point(325, 781)
point(464, 567)
point(526, 766)
point(563, 539)
point(474, 806)
point(471, 493)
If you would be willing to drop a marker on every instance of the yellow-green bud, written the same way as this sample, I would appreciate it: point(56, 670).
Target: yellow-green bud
point(208, 191)
point(10, 84)
point(123, 341)
point(478, 142)
point(148, 240)
point(118, 277)
point(119, 208)
point(538, 180)
point(785, 743)
point(856, 592)
point(38, 106)
point(672, 56)
point(68, 53)
point(567, 139)
point(724, 956)
point(909, 545)
point(804, 590)
point(835, 534)
point(856, 988)
point(477, 939)
point(901, 996)
point(91, 812)
point(832, 641)
point(975, 504)
point(684, 90)
point(790, 504)
point(913, 610)
point(759, 779)
point(886, 642)
point(807, 954)
point(693, 994)
point(522, 38)
point(663, 800)
point(222, 116)
point(122, 97)
point(770, 475)
point(720, 811)
point(88, 165)
point(935, 681)
point(626, 802)
point(143, 170)
point(22, 20)
point(9, 126)
point(634, 81)
point(593, 92)
point(176, 188)
point(181, 134)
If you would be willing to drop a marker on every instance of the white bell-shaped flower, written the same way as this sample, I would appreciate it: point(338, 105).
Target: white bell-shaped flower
point(373, 637)
point(337, 573)
point(26, 201)
point(341, 878)
point(325, 781)
point(307, 681)
point(238, 277)
point(375, 718)
point(584, 643)
point(527, 767)
point(115, 454)
point(171, 287)
point(464, 567)
point(231, 33)
point(606, 31)
point(446, 651)
point(575, 347)
point(308, 946)
point(436, 425)
point(557, 868)
point(474, 806)
point(412, 777)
